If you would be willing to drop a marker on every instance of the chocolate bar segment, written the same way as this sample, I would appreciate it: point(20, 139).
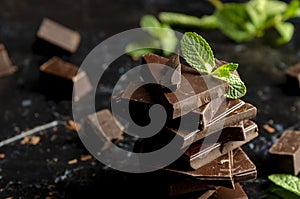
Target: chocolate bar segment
point(106, 126)
point(222, 171)
point(285, 153)
point(293, 75)
point(6, 67)
point(195, 90)
point(227, 193)
point(53, 38)
point(171, 77)
point(219, 123)
point(201, 152)
point(57, 78)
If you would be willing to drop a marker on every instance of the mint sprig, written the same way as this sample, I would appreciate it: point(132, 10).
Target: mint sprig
point(286, 181)
point(243, 21)
point(197, 52)
point(199, 55)
point(161, 36)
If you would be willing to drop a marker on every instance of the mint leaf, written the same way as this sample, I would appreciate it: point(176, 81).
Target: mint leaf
point(281, 192)
point(233, 20)
point(286, 181)
point(285, 30)
point(169, 40)
point(140, 48)
point(151, 25)
point(197, 52)
point(255, 11)
point(273, 8)
point(292, 8)
point(183, 20)
point(237, 88)
point(225, 70)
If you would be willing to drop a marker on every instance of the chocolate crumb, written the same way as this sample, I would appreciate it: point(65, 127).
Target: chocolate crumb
point(268, 128)
point(74, 161)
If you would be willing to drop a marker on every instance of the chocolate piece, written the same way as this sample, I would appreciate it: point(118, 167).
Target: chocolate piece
point(286, 152)
point(198, 195)
point(218, 123)
point(226, 193)
point(106, 126)
point(53, 38)
point(207, 114)
point(224, 170)
point(137, 92)
point(186, 186)
point(168, 77)
point(293, 75)
point(211, 112)
point(202, 152)
point(57, 78)
point(6, 67)
point(195, 90)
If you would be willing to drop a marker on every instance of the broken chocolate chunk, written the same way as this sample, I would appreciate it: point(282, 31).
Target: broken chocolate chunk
point(202, 152)
point(222, 171)
point(106, 126)
point(6, 67)
point(219, 123)
point(57, 78)
point(227, 193)
point(195, 89)
point(56, 39)
point(285, 153)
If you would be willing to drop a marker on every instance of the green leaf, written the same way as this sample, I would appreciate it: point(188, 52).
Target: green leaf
point(151, 25)
point(292, 8)
point(286, 31)
point(237, 88)
point(183, 20)
point(255, 11)
point(197, 52)
point(283, 193)
point(234, 22)
point(138, 49)
point(225, 70)
point(286, 181)
point(169, 40)
point(274, 7)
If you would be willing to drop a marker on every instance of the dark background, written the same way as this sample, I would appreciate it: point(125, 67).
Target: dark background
point(29, 171)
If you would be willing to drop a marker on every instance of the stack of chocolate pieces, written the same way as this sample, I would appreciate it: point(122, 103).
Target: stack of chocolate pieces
point(211, 144)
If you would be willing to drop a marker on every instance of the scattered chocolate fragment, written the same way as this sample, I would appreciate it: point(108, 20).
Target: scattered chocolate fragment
point(73, 161)
point(72, 126)
point(293, 75)
point(57, 78)
point(268, 128)
point(6, 67)
point(54, 38)
point(85, 157)
point(106, 126)
point(285, 153)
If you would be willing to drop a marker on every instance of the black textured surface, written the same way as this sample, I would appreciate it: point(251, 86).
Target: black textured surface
point(32, 171)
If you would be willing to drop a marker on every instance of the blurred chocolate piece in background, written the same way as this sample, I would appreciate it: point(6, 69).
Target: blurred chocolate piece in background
point(53, 38)
point(285, 153)
point(6, 67)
